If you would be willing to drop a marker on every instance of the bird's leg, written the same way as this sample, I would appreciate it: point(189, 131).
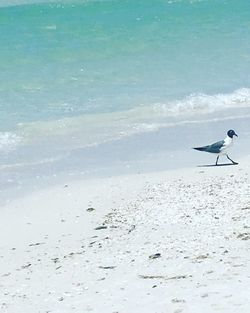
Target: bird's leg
point(231, 160)
point(217, 160)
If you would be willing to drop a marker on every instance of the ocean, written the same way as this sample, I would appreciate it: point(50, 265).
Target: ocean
point(82, 79)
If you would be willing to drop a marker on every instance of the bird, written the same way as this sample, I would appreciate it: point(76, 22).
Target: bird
point(220, 147)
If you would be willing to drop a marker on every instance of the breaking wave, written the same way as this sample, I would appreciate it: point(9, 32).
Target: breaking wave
point(93, 129)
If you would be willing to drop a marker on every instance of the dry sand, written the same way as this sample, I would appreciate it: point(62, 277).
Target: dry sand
point(176, 241)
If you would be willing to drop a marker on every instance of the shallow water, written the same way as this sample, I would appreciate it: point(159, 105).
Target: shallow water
point(80, 76)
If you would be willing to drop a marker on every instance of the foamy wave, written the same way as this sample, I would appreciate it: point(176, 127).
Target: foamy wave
point(94, 129)
point(202, 103)
point(8, 141)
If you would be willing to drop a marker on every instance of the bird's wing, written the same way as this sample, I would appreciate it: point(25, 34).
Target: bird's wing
point(216, 147)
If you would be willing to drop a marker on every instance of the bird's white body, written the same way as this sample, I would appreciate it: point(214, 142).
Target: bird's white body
point(228, 142)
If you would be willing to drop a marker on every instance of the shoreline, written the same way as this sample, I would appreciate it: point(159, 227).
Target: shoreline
point(105, 206)
point(162, 150)
point(174, 240)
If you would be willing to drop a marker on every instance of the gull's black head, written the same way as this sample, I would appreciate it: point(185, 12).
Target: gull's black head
point(231, 133)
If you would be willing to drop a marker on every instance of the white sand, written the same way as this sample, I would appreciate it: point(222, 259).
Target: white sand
point(53, 260)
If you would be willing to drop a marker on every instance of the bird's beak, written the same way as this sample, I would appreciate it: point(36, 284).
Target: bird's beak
point(235, 134)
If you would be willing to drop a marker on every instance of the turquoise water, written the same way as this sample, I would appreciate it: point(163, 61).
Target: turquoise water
point(77, 74)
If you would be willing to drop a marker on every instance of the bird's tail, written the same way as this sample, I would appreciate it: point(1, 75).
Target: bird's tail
point(201, 148)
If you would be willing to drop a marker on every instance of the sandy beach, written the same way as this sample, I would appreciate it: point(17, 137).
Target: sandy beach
point(174, 241)
point(105, 206)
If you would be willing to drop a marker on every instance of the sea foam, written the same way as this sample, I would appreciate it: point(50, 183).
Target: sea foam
point(93, 129)
point(203, 103)
point(9, 141)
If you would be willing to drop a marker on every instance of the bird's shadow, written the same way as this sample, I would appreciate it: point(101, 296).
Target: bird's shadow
point(214, 165)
